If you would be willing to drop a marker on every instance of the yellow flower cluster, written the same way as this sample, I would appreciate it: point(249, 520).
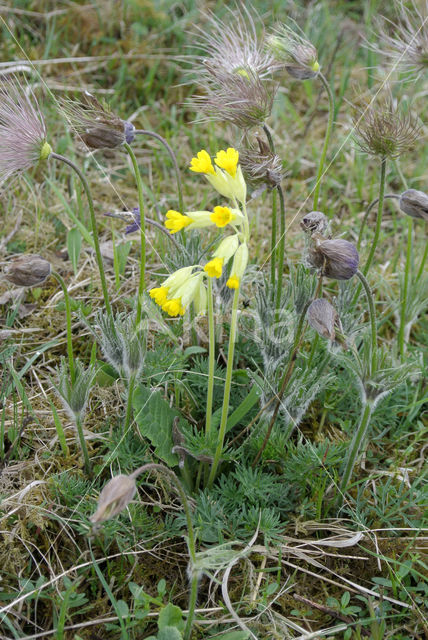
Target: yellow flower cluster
point(187, 285)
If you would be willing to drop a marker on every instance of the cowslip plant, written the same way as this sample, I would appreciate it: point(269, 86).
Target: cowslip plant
point(187, 285)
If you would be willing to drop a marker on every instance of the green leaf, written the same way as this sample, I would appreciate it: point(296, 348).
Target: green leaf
point(154, 418)
point(74, 246)
point(170, 616)
point(169, 633)
point(248, 402)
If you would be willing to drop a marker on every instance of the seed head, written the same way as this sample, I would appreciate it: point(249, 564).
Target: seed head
point(314, 222)
point(114, 498)
point(96, 125)
point(22, 129)
point(337, 259)
point(385, 132)
point(414, 203)
point(28, 270)
point(404, 43)
point(323, 317)
point(260, 165)
point(296, 54)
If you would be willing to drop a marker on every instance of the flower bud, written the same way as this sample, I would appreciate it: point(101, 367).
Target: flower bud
point(323, 317)
point(28, 270)
point(414, 203)
point(114, 498)
point(314, 222)
point(337, 259)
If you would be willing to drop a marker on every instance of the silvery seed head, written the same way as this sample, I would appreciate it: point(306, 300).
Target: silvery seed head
point(22, 129)
point(75, 394)
point(323, 317)
point(96, 125)
point(261, 166)
point(383, 131)
point(314, 222)
point(296, 54)
point(414, 203)
point(404, 43)
point(114, 498)
point(337, 259)
point(243, 99)
point(28, 270)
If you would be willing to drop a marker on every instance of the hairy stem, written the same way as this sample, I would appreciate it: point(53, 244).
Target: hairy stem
point(281, 248)
point(378, 217)
point(142, 231)
point(367, 213)
point(88, 466)
point(227, 387)
point(372, 314)
point(273, 241)
point(326, 139)
point(354, 449)
point(403, 308)
point(98, 256)
point(128, 416)
point(211, 358)
point(63, 286)
point(152, 134)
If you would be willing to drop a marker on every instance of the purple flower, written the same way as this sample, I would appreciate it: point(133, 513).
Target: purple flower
point(22, 129)
point(136, 225)
point(337, 259)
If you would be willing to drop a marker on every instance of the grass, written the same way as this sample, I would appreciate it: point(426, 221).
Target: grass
point(279, 553)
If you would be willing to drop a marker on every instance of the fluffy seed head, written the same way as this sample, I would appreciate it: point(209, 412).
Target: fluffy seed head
point(260, 165)
point(385, 132)
point(337, 259)
point(323, 317)
point(296, 54)
point(414, 203)
point(22, 129)
point(27, 270)
point(404, 43)
point(96, 125)
point(114, 498)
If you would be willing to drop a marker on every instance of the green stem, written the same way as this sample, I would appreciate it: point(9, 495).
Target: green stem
point(191, 540)
point(273, 249)
point(152, 134)
point(372, 314)
point(211, 358)
point(128, 417)
point(98, 256)
point(423, 261)
point(326, 139)
point(355, 446)
point(227, 387)
point(378, 217)
point(403, 309)
point(63, 286)
point(88, 466)
point(281, 248)
point(142, 230)
point(367, 213)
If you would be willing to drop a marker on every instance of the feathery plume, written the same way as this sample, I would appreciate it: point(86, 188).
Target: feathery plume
point(293, 52)
point(22, 129)
point(260, 165)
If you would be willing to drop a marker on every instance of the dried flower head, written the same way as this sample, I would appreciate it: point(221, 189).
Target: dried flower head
point(384, 131)
point(260, 165)
point(114, 498)
point(244, 100)
point(314, 222)
point(27, 270)
point(233, 47)
point(296, 54)
point(323, 317)
point(404, 43)
point(414, 203)
point(22, 129)
point(337, 259)
point(96, 125)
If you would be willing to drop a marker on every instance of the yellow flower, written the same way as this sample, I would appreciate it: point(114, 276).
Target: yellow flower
point(214, 267)
point(202, 163)
point(174, 307)
point(159, 294)
point(176, 221)
point(233, 282)
point(228, 160)
point(222, 216)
